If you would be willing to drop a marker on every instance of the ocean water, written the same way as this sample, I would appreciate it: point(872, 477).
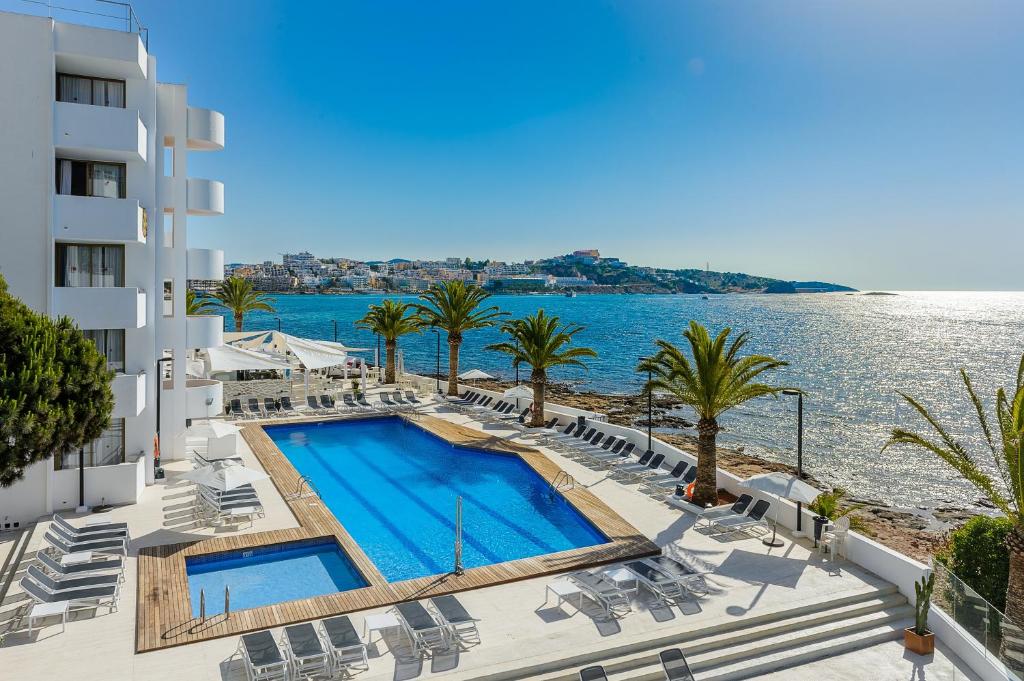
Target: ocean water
point(270, 574)
point(393, 486)
point(850, 353)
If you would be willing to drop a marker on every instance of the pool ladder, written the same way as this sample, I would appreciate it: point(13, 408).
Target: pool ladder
point(305, 483)
point(562, 482)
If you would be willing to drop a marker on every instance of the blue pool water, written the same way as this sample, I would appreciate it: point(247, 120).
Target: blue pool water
point(270, 574)
point(393, 486)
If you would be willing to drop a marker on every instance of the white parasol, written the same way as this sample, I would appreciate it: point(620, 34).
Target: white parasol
point(519, 391)
point(474, 375)
point(213, 429)
point(224, 476)
point(781, 485)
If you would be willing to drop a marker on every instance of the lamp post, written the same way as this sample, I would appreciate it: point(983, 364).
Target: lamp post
point(377, 361)
point(650, 406)
point(278, 324)
point(157, 475)
point(517, 365)
point(799, 446)
point(335, 330)
point(438, 373)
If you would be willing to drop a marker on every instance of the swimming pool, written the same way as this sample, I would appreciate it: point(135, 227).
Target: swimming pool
point(270, 574)
point(393, 487)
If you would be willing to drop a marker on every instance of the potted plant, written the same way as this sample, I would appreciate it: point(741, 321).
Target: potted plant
point(917, 638)
point(355, 388)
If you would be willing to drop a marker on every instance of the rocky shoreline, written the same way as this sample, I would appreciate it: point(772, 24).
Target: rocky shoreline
point(915, 533)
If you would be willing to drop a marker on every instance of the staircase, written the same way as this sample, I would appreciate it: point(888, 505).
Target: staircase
point(746, 647)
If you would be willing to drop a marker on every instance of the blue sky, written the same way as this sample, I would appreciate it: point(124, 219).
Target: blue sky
point(877, 144)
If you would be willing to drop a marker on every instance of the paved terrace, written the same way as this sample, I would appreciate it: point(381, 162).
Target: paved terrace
point(517, 627)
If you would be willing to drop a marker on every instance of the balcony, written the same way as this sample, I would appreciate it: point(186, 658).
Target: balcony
point(98, 133)
point(99, 52)
point(205, 197)
point(129, 395)
point(204, 264)
point(204, 398)
point(94, 307)
point(205, 129)
point(204, 331)
point(98, 220)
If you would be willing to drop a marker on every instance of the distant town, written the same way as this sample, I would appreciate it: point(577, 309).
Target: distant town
point(582, 271)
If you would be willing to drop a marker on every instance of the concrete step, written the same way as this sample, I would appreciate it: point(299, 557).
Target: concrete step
point(635, 655)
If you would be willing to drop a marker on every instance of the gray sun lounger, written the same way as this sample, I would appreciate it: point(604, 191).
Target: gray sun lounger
point(286, 405)
point(78, 569)
point(411, 398)
point(326, 403)
point(102, 546)
point(738, 508)
point(305, 651)
point(76, 598)
point(685, 574)
point(674, 663)
point(236, 409)
point(461, 625)
point(253, 408)
point(262, 657)
point(93, 542)
point(593, 673)
point(347, 648)
point(312, 403)
point(91, 529)
point(73, 537)
point(604, 592)
point(270, 406)
point(664, 586)
point(70, 583)
point(734, 524)
point(424, 632)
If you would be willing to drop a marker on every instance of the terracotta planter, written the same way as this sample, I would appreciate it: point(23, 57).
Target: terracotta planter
point(918, 643)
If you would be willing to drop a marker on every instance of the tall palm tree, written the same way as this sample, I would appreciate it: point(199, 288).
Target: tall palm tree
point(196, 304)
point(539, 341)
point(391, 319)
point(713, 382)
point(1006, 447)
point(455, 307)
point(237, 295)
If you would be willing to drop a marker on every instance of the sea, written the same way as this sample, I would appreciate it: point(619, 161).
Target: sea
point(850, 353)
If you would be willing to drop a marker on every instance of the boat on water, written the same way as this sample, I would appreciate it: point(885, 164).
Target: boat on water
point(570, 294)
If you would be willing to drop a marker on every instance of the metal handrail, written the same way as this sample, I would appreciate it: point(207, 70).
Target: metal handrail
point(562, 478)
point(305, 481)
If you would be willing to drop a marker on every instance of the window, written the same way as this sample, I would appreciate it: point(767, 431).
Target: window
point(86, 90)
point(91, 178)
point(110, 343)
point(169, 230)
point(88, 265)
point(106, 450)
point(168, 297)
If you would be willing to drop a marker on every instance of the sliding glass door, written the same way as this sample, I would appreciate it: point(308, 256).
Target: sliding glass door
point(88, 265)
point(91, 178)
point(110, 343)
point(86, 90)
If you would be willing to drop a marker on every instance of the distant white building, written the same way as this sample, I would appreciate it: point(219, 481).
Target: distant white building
point(93, 229)
point(301, 262)
point(571, 282)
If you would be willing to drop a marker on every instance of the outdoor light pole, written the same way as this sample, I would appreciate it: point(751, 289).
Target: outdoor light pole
point(335, 330)
point(278, 324)
point(377, 361)
point(650, 406)
point(438, 374)
point(799, 446)
point(159, 389)
point(517, 366)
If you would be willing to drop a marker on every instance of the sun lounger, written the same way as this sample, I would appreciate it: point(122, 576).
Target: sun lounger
point(346, 647)
point(593, 673)
point(305, 651)
point(603, 591)
point(91, 542)
point(253, 408)
point(388, 403)
point(735, 524)
point(326, 403)
point(686, 575)
point(629, 469)
point(361, 401)
point(101, 546)
point(262, 657)
point(287, 409)
point(674, 663)
point(270, 406)
point(76, 598)
point(105, 564)
point(236, 409)
point(738, 508)
point(664, 586)
point(461, 625)
point(74, 536)
point(203, 461)
point(71, 583)
point(666, 480)
point(424, 632)
point(91, 529)
point(411, 398)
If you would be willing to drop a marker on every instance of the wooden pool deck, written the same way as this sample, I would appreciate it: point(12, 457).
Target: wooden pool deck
point(164, 611)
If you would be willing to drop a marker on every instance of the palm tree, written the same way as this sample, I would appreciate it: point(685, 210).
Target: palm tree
point(713, 382)
point(455, 307)
point(1006, 447)
point(390, 319)
point(196, 305)
point(237, 295)
point(539, 341)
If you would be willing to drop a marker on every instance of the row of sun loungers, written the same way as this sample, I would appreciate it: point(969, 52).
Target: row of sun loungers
point(78, 583)
point(349, 403)
point(673, 663)
point(332, 647)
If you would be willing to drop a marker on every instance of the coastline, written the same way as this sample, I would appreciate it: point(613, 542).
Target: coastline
point(912, 532)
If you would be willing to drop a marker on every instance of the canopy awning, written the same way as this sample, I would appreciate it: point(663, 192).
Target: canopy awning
point(312, 354)
point(473, 375)
point(231, 358)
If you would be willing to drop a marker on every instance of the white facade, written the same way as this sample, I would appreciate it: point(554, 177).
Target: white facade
point(93, 229)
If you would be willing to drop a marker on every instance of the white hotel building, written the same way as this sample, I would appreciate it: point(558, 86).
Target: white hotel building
point(92, 228)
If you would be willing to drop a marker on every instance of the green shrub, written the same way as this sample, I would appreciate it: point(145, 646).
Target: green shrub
point(977, 554)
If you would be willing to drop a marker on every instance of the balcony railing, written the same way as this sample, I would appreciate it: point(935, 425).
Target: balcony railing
point(1000, 637)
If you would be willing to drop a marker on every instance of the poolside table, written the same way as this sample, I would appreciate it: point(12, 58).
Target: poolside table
point(372, 623)
point(563, 591)
point(76, 558)
point(41, 610)
point(623, 578)
point(97, 519)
